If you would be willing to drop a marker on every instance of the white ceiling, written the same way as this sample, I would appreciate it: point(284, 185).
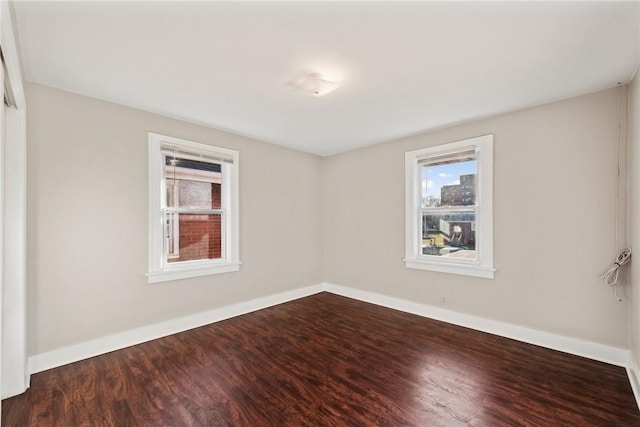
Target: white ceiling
point(405, 67)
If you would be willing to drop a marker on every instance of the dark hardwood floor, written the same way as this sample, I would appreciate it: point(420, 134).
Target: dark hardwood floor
point(326, 360)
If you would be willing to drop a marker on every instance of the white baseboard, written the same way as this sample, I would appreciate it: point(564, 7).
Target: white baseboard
point(52, 359)
point(74, 353)
point(632, 372)
point(604, 353)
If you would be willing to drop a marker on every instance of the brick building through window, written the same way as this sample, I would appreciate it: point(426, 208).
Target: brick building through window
point(193, 186)
point(463, 194)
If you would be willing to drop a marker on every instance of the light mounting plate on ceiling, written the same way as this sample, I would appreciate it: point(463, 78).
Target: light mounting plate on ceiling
point(314, 84)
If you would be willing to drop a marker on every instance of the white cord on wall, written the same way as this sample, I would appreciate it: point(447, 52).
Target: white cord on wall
point(610, 277)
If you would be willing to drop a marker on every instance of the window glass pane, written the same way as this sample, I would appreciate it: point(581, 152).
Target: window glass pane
point(193, 184)
point(196, 237)
point(193, 194)
point(451, 235)
point(449, 184)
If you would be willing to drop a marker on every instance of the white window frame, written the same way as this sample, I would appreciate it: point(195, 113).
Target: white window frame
point(159, 269)
point(482, 266)
point(173, 229)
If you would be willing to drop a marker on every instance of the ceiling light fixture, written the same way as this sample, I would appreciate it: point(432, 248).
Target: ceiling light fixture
point(315, 85)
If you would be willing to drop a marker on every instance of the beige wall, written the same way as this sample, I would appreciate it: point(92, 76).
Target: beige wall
point(634, 217)
point(554, 198)
point(87, 222)
point(305, 220)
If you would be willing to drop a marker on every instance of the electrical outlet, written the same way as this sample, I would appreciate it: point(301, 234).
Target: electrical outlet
point(443, 300)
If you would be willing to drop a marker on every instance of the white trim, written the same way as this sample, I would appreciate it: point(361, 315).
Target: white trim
point(165, 276)
point(632, 373)
point(592, 350)
point(462, 269)
point(3, 162)
point(98, 346)
point(15, 375)
point(604, 353)
point(483, 266)
point(11, 55)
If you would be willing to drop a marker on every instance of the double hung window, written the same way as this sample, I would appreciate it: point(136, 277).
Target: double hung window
point(448, 208)
point(193, 209)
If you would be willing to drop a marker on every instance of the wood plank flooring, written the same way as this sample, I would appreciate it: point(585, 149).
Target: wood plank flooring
point(327, 360)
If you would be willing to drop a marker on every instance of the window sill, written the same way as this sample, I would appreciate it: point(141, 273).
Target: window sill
point(166, 276)
point(464, 270)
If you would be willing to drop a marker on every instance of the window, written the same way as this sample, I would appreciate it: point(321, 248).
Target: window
point(193, 209)
point(448, 204)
